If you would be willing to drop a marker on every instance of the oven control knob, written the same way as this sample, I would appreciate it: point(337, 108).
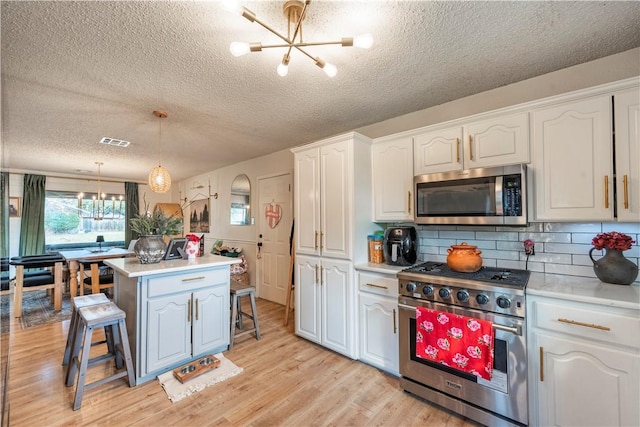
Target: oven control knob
point(411, 287)
point(444, 293)
point(503, 302)
point(463, 296)
point(482, 299)
point(427, 290)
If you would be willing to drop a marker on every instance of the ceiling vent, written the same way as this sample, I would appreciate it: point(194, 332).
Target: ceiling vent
point(116, 142)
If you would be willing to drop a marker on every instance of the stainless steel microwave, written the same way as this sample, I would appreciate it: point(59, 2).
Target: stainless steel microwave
point(483, 196)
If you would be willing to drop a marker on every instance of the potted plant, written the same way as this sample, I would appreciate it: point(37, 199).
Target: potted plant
point(151, 227)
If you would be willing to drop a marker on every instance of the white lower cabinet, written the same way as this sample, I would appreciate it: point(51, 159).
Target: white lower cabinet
point(184, 316)
point(325, 303)
point(584, 364)
point(378, 326)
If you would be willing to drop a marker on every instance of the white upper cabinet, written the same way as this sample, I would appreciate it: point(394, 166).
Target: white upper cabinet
point(627, 144)
point(437, 151)
point(496, 141)
point(332, 180)
point(500, 141)
point(573, 160)
point(392, 172)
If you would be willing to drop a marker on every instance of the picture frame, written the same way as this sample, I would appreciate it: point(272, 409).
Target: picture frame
point(199, 216)
point(15, 207)
point(175, 249)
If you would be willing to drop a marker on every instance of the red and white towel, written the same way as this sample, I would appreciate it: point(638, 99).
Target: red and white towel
point(460, 342)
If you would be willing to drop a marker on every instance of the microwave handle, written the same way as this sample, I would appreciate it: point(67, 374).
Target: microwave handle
point(499, 189)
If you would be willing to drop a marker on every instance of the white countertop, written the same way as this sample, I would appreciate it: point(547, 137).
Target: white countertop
point(381, 268)
point(131, 267)
point(584, 289)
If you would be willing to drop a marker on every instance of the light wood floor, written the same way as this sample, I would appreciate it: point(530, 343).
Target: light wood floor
point(286, 381)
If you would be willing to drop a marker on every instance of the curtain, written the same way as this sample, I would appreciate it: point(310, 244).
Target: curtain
point(32, 225)
point(4, 214)
point(132, 204)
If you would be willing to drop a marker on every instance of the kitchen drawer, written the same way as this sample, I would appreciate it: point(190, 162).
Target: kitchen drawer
point(587, 322)
point(187, 281)
point(380, 284)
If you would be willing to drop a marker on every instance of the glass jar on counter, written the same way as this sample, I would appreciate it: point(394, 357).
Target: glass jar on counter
point(376, 254)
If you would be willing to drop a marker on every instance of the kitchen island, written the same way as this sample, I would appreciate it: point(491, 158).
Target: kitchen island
point(176, 310)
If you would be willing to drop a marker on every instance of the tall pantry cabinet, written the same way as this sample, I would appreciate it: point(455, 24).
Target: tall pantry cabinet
point(332, 184)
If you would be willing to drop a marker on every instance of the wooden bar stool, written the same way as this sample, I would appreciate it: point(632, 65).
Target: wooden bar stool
point(238, 290)
point(90, 318)
point(77, 303)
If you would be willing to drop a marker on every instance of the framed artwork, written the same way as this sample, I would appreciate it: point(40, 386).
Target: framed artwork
point(14, 207)
point(199, 216)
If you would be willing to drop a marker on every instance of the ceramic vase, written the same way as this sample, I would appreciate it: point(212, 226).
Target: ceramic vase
point(150, 249)
point(614, 268)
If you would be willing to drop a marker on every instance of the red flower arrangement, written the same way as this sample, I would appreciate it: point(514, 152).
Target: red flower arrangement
point(612, 240)
point(192, 238)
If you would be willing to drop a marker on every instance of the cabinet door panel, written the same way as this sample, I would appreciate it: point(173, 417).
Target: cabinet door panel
point(169, 331)
point(438, 151)
point(337, 306)
point(393, 180)
point(211, 320)
point(307, 202)
point(378, 332)
point(586, 385)
point(335, 209)
point(307, 295)
point(573, 161)
point(496, 142)
point(627, 126)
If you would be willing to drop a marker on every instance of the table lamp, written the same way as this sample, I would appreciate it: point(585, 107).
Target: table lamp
point(100, 240)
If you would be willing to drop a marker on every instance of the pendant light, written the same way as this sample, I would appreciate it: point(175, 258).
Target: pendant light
point(159, 178)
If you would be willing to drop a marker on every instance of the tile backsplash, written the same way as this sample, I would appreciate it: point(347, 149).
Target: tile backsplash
point(560, 248)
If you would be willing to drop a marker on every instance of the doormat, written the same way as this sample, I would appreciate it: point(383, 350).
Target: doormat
point(177, 391)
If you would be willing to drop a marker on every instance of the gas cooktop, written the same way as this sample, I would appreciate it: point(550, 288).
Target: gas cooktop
point(493, 275)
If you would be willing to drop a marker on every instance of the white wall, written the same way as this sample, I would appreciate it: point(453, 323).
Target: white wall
point(241, 236)
point(605, 70)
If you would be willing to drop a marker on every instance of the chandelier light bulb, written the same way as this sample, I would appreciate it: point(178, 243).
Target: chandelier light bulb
point(239, 48)
point(330, 69)
point(232, 6)
point(364, 41)
point(282, 70)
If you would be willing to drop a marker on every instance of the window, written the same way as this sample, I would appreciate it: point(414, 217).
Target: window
point(70, 219)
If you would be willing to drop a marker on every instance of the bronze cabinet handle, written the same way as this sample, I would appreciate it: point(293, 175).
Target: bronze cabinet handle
point(377, 286)
point(458, 150)
point(470, 147)
point(394, 321)
point(587, 325)
point(409, 200)
point(541, 364)
point(625, 185)
point(606, 191)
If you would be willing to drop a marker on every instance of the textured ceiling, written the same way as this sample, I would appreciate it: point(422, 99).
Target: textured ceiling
point(74, 72)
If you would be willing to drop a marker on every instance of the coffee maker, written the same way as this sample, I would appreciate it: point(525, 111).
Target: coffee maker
point(400, 245)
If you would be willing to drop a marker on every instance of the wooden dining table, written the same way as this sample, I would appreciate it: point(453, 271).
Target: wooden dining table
point(73, 257)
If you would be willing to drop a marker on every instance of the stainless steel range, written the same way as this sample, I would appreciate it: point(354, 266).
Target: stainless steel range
point(493, 294)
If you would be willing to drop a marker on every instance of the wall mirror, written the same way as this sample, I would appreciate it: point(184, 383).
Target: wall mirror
point(240, 200)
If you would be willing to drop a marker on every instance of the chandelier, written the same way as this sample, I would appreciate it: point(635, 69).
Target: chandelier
point(100, 209)
point(159, 178)
point(295, 12)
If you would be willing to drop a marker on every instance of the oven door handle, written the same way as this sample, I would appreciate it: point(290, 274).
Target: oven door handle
point(513, 329)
